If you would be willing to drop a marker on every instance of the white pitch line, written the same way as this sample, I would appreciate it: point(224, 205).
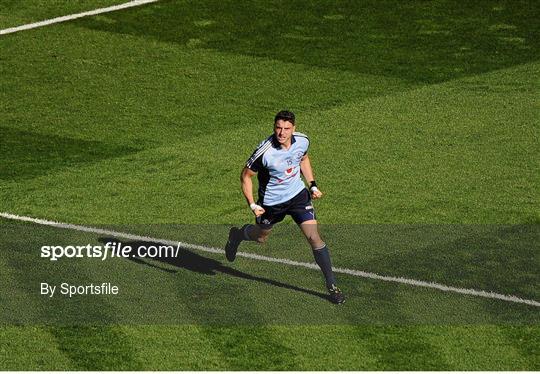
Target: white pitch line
point(357, 273)
point(70, 17)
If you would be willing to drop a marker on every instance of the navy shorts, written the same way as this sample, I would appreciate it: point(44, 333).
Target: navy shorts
point(299, 208)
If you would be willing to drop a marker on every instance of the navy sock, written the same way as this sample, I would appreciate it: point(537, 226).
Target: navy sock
point(245, 235)
point(322, 258)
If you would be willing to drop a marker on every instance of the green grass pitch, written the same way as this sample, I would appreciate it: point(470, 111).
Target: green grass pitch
point(424, 123)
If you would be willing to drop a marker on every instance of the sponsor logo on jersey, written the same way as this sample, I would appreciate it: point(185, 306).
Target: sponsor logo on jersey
point(290, 173)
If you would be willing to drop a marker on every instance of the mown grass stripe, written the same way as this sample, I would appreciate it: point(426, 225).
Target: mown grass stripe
point(70, 17)
point(357, 273)
point(95, 347)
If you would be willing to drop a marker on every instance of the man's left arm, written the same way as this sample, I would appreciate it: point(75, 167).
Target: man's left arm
point(307, 172)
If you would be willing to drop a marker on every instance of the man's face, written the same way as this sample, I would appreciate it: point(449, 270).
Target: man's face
point(284, 131)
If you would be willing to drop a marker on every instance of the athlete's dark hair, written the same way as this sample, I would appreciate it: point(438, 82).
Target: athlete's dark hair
point(285, 115)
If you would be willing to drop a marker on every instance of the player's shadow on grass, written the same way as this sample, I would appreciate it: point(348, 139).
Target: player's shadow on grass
point(203, 265)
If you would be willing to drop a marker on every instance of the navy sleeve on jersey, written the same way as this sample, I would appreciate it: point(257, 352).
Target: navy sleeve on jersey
point(255, 165)
point(255, 162)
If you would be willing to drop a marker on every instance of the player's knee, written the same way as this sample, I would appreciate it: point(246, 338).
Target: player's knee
point(261, 239)
point(260, 234)
point(315, 241)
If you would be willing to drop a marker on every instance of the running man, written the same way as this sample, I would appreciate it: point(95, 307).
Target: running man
point(278, 162)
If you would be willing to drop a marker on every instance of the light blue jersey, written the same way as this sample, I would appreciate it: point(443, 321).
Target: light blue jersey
point(278, 169)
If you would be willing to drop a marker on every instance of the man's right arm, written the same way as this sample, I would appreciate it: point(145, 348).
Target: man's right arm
point(247, 189)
